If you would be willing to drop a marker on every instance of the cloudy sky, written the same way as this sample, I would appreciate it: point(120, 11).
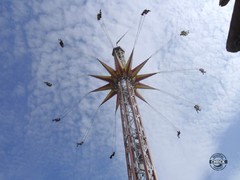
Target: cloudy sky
point(34, 147)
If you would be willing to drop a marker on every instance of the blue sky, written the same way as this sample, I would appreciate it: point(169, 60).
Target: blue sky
point(33, 147)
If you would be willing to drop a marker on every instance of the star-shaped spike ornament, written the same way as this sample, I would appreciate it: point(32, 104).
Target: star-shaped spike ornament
point(123, 70)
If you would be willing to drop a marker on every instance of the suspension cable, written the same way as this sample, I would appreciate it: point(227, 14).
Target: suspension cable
point(175, 96)
point(67, 111)
point(91, 124)
point(106, 33)
point(114, 133)
point(171, 123)
point(140, 25)
point(178, 70)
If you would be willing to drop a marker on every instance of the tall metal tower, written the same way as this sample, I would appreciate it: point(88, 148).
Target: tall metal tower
point(124, 82)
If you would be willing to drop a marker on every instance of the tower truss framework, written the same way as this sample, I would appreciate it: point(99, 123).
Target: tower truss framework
point(124, 82)
point(138, 158)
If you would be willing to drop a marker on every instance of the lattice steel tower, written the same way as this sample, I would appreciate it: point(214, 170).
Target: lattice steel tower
point(124, 82)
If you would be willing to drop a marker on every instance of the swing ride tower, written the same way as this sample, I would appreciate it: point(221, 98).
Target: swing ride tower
point(138, 158)
point(124, 82)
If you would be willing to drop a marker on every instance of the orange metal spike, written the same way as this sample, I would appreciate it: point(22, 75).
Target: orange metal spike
point(143, 76)
point(139, 85)
point(128, 66)
point(104, 78)
point(108, 68)
point(109, 96)
point(104, 88)
point(138, 68)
